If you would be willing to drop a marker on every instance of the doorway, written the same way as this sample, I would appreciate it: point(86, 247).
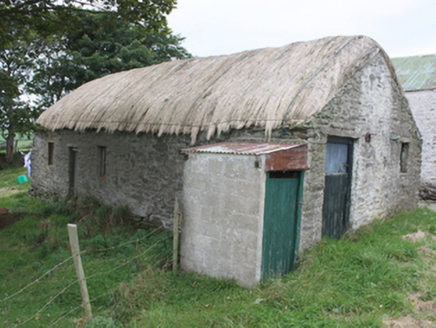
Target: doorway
point(73, 171)
point(337, 190)
point(281, 231)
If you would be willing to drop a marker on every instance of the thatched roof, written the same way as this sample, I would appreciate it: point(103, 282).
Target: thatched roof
point(264, 88)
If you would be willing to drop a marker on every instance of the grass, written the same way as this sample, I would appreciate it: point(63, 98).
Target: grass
point(24, 142)
point(370, 278)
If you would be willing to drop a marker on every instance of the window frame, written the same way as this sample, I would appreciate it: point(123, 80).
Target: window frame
point(404, 157)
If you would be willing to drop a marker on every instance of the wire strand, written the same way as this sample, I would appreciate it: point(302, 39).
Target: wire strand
point(37, 280)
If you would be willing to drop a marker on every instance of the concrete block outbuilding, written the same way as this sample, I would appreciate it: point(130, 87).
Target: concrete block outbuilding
point(242, 209)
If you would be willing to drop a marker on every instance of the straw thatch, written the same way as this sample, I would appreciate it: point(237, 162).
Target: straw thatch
point(264, 88)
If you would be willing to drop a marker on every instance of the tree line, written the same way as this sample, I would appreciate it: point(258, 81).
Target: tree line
point(50, 47)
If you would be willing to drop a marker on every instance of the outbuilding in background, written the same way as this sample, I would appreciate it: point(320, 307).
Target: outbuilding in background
point(417, 75)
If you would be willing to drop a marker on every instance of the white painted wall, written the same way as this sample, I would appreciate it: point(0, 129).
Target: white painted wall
point(423, 104)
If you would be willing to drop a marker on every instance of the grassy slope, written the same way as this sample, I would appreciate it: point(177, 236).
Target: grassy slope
point(362, 280)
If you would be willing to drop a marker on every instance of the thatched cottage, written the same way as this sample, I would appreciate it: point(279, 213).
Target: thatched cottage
point(418, 77)
point(268, 149)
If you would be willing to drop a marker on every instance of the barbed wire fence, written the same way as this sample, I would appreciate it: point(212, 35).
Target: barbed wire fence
point(19, 322)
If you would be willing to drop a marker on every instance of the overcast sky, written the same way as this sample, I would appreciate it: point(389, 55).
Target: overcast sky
point(215, 27)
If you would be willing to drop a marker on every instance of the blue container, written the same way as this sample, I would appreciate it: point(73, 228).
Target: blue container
point(22, 179)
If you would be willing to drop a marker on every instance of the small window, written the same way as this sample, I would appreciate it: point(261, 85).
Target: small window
point(50, 153)
point(404, 157)
point(102, 161)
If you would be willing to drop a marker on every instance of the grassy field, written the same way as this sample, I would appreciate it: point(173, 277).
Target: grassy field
point(381, 275)
point(24, 142)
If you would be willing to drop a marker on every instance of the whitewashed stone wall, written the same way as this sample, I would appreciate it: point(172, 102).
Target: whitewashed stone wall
point(370, 102)
point(222, 230)
point(423, 104)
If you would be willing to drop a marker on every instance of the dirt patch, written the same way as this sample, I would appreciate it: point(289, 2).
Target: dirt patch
point(415, 236)
point(430, 205)
point(423, 310)
point(409, 322)
point(7, 218)
point(420, 305)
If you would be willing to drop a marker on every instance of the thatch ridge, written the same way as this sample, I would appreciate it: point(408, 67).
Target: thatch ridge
point(265, 88)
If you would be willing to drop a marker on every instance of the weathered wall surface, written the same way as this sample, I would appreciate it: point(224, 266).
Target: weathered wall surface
point(371, 103)
point(223, 218)
point(143, 171)
point(423, 104)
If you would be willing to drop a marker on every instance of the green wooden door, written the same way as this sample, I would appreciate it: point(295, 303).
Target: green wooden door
point(281, 230)
point(337, 190)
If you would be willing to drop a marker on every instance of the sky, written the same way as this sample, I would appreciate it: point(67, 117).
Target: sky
point(215, 27)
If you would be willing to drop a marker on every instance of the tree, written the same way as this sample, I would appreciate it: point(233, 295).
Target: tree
point(53, 16)
point(50, 47)
point(103, 45)
point(15, 116)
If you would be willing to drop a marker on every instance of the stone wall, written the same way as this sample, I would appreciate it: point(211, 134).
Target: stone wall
point(222, 230)
point(423, 104)
point(371, 103)
point(144, 172)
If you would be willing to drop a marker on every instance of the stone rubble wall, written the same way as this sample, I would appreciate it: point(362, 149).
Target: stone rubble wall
point(143, 171)
point(370, 102)
point(423, 104)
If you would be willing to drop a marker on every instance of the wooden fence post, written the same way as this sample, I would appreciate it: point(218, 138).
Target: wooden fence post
point(176, 235)
point(75, 250)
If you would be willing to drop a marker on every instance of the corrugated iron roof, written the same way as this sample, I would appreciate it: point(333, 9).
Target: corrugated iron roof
point(417, 72)
point(241, 148)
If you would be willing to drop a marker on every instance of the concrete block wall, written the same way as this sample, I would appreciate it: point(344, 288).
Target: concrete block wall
point(223, 198)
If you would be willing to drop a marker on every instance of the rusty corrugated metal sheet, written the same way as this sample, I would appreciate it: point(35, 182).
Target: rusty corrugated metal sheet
point(293, 159)
point(241, 148)
point(417, 72)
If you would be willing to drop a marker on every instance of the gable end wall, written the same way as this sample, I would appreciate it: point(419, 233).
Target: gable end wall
point(370, 102)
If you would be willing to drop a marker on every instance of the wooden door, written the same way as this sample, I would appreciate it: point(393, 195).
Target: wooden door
point(337, 191)
point(281, 229)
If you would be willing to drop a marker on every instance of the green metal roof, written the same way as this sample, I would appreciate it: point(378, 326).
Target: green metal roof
point(417, 72)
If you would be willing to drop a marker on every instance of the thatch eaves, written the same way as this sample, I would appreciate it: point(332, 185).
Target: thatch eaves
point(266, 88)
